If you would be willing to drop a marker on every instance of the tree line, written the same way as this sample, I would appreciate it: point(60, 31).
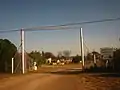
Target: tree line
point(8, 50)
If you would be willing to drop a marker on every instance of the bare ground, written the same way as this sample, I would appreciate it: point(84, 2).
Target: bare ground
point(61, 78)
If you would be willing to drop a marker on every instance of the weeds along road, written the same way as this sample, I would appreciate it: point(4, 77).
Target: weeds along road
point(61, 79)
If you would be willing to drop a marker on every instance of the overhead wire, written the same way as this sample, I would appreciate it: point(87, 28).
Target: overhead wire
point(17, 50)
point(96, 21)
point(69, 25)
point(62, 26)
point(86, 46)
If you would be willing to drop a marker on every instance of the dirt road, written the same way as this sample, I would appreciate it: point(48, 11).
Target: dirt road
point(37, 81)
point(61, 79)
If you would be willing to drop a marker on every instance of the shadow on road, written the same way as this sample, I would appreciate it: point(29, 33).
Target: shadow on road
point(109, 75)
point(79, 71)
point(67, 71)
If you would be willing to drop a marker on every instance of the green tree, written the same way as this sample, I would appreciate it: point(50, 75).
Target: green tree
point(116, 60)
point(7, 51)
point(37, 57)
point(89, 56)
point(76, 59)
point(66, 53)
point(59, 55)
point(49, 55)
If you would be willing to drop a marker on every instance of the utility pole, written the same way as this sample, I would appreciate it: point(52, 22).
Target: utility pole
point(22, 51)
point(82, 48)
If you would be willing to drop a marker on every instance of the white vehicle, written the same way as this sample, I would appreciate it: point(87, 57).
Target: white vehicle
point(54, 63)
point(62, 63)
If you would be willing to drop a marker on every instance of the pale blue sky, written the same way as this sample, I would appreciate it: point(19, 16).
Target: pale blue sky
point(28, 13)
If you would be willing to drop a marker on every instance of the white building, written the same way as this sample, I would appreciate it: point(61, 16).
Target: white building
point(49, 60)
point(107, 52)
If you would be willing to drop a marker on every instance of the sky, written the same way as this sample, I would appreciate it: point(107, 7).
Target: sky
point(17, 14)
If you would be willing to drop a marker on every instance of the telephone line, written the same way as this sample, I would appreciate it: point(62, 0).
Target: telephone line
point(62, 26)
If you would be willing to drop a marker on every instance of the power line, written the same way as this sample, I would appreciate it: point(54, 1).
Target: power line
point(88, 22)
point(86, 47)
point(67, 26)
point(62, 26)
point(9, 31)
